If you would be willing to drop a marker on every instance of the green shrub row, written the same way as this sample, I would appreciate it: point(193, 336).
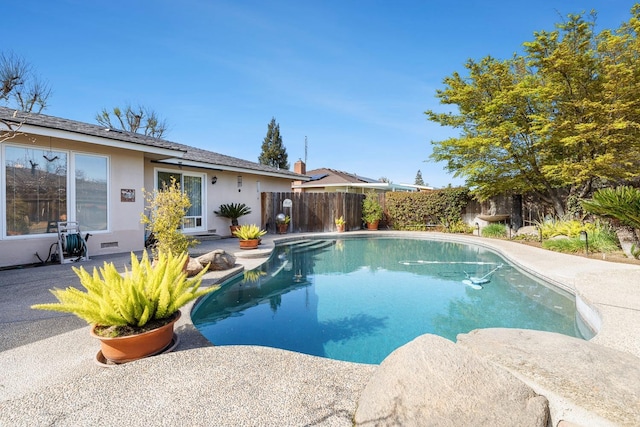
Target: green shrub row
point(408, 211)
point(601, 239)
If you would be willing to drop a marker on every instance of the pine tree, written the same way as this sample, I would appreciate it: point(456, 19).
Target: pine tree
point(419, 180)
point(273, 152)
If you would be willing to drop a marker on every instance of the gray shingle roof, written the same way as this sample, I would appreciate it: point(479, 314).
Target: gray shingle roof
point(58, 123)
point(331, 176)
point(207, 158)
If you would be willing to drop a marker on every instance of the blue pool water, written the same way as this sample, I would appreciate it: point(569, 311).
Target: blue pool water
point(358, 299)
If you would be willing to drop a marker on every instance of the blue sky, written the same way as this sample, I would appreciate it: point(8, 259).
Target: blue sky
point(353, 77)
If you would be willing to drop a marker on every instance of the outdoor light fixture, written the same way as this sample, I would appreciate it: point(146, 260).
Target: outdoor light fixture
point(214, 180)
point(478, 228)
point(584, 236)
point(239, 183)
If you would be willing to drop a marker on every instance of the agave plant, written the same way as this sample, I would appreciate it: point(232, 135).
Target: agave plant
point(623, 205)
point(233, 211)
point(134, 298)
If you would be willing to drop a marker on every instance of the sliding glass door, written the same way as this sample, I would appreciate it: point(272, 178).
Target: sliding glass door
point(192, 185)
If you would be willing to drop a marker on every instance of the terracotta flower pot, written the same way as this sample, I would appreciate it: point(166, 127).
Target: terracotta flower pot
point(134, 347)
point(282, 228)
point(372, 225)
point(340, 228)
point(249, 244)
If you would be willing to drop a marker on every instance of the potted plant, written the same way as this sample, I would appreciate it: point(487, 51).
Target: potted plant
point(131, 314)
point(167, 209)
point(340, 224)
point(233, 211)
point(371, 210)
point(249, 235)
point(282, 221)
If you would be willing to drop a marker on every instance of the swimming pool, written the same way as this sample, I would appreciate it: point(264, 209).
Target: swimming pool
point(358, 299)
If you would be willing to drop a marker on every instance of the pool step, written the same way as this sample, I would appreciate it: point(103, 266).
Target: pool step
point(313, 245)
point(295, 243)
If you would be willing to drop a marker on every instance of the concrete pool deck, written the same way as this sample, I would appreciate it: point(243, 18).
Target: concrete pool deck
point(199, 384)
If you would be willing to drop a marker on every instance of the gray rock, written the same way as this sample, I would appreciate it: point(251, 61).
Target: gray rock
point(433, 382)
point(530, 230)
point(586, 383)
point(194, 267)
point(217, 260)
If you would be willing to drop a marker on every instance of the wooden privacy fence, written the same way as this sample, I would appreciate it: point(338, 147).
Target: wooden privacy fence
point(312, 212)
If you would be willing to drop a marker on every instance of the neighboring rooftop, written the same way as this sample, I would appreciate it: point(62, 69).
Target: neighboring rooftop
point(326, 177)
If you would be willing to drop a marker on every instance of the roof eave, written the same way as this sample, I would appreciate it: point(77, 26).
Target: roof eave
point(218, 167)
point(97, 140)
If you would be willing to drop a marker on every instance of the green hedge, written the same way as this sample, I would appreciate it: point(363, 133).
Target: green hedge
point(410, 211)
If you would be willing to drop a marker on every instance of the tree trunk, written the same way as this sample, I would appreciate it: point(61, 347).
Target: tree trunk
point(628, 240)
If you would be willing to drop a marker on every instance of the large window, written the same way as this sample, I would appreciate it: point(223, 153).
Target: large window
point(41, 189)
point(191, 184)
point(91, 191)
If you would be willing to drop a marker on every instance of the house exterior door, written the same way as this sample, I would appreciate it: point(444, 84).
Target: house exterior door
point(192, 185)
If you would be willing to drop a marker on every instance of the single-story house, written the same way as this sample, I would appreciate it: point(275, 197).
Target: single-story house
point(56, 169)
point(325, 180)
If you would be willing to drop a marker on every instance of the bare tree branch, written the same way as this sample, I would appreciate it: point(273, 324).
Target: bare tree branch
point(141, 120)
point(19, 82)
point(10, 129)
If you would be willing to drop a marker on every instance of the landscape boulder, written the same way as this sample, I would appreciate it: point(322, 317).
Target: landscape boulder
point(432, 381)
point(217, 260)
point(585, 383)
point(193, 267)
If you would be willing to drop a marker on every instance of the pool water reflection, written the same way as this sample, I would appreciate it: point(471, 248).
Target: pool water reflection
point(358, 299)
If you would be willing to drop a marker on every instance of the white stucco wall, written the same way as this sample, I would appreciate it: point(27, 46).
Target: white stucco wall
point(226, 190)
point(124, 233)
point(130, 170)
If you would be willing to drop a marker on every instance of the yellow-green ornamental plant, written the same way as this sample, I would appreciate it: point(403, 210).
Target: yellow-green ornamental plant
point(249, 232)
point(128, 302)
point(167, 210)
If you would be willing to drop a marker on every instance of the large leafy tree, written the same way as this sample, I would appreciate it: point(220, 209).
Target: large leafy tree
point(139, 119)
point(555, 122)
point(273, 152)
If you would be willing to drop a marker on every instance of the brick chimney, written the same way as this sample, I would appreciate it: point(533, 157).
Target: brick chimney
point(300, 167)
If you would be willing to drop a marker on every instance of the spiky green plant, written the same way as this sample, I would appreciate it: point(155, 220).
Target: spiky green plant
point(249, 232)
point(621, 203)
point(233, 211)
point(565, 227)
point(601, 239)
point(147, 292)
point(494, 230)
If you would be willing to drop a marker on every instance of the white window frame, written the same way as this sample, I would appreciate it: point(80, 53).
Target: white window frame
point(71, 189)
point(203, 181)
point(71, 198)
